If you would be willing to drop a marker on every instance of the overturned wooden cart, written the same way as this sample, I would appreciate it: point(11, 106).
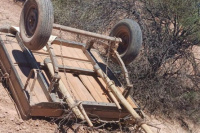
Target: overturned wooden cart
point(48, 75)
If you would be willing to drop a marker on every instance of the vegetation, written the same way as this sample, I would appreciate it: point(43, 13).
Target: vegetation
point(166, 73)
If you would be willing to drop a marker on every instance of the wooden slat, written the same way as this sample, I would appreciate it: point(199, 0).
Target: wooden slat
point(96, 86)
point(87, 83)
point(75, 64)
point(23, 69)
point(77, 86)
point(73, 85)
point(38, 58)
point(97, 56)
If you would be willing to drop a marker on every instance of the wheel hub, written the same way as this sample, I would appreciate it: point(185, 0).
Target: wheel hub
point(31, 20)
point(124, 44)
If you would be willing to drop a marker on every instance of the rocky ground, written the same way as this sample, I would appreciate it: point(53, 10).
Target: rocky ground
point(10, 120)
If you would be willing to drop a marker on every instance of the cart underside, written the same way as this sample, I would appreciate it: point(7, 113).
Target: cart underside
point(29, 80)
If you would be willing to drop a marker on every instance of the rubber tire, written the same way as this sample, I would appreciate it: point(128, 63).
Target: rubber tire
point(134, 43)
point(44, 24)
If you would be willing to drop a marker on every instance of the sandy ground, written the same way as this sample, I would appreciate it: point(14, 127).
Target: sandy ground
point(10, 120)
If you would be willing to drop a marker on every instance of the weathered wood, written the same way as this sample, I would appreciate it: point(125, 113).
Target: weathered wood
point(70, 101)
point(100, 60)
point(86, 33)
point(121, 98)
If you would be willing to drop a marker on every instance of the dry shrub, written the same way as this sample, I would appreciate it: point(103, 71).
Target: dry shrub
point(166, 73)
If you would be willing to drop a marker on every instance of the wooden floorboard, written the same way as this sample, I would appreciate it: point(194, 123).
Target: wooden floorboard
point(23, 69)
point(98, 57)
point(84, 87)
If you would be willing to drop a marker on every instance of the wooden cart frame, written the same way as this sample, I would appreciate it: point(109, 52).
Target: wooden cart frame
point(33, 75)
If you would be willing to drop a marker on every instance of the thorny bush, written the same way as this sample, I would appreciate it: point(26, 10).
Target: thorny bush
point(166, 73)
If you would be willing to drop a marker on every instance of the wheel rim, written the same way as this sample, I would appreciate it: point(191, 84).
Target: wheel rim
point(31, 20)
point(125, 36)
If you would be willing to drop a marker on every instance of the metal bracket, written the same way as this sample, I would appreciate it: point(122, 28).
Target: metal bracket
point(54, 83)
point(52, 57)
point(35, 72)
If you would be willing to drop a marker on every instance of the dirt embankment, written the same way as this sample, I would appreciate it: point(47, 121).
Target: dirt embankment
point(10, 120)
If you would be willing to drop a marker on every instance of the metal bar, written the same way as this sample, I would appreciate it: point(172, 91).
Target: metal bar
point(86, 33)
point(54, 82)
point(68, 43)
point(8, 29)
point(29, 77)
point(76, 70)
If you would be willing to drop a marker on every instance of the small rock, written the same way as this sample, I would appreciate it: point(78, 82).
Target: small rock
point(2, 116)
point(37, 123)
point(12, 119)
point(19, 122)
point(18, 128)
point(24, 127)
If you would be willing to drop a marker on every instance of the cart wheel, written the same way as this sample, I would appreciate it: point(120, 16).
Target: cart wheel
point(36, 23)
point(130, 33)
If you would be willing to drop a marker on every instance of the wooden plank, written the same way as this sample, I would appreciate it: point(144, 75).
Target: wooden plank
point(69, 86)
point(96, 87)
point(23, 69)
point(101, 91)
point(38, 94)
point(76, 86)
point(38, 58)
point(66, 62)
point(99, 59)
point(86, 82)
point(90, 88)
point(74, 64)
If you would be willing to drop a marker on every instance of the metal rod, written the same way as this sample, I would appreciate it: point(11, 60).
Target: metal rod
point(68, 43)
point(86, 33)
point(77, 70)
point(29, 77)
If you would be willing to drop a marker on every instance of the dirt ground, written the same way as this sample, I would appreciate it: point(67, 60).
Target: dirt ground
point(10, 120)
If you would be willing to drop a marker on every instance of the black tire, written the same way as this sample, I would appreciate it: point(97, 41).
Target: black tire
point(36, 23)
point(130, 33)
